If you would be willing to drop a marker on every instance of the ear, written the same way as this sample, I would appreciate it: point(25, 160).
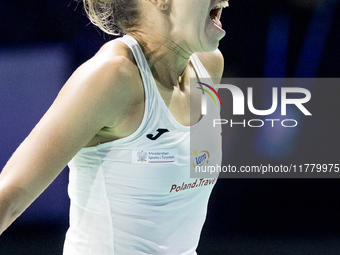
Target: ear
point(162, 5)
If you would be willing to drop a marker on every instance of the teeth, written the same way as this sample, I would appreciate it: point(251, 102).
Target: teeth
point(223, 4)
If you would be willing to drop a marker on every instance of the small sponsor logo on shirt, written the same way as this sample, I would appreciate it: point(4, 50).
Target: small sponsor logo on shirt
point(155, 156)
point(160, 132)
point(142, 156)
point(200, 158)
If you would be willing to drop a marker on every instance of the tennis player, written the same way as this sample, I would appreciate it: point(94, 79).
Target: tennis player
point(122, 123)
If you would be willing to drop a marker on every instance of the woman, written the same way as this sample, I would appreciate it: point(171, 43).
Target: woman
point(122, 122)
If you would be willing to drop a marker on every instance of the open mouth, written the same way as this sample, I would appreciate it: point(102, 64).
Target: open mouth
point(216, 11)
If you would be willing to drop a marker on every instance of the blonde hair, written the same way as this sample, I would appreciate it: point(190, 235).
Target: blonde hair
point(113, 16)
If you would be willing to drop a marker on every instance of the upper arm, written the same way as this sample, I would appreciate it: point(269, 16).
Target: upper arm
point(95, 96)
point(213, 63)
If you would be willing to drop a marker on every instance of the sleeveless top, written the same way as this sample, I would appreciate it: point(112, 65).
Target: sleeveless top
point(134, 195)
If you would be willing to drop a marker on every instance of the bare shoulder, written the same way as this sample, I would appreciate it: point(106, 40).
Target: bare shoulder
point(112, 67)
point(111, 78)
point(213, 62)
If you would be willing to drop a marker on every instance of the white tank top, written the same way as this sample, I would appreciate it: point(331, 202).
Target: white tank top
point(134, 195)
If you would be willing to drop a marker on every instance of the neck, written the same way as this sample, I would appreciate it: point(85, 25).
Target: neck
point(167, 60)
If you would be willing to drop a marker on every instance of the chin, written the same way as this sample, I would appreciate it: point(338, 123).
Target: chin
point(211, 37)
point(204, 41)
point(212, 47)
point(209, 45)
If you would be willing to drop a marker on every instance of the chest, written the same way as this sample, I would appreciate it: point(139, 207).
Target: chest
point(183, 103)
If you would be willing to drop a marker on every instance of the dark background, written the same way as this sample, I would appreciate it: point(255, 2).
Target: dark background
point(41, 44)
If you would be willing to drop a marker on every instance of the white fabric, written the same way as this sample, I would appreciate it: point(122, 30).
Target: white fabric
point(121, 204)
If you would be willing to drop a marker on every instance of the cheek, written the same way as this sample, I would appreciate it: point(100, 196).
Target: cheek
point(196, 23)
point(197, 30)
